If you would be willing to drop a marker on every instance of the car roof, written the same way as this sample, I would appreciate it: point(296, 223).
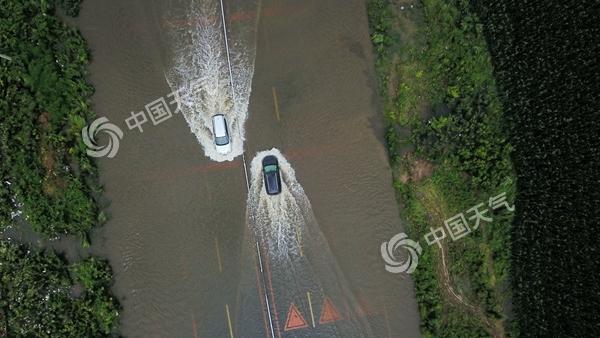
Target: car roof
point(269, 159)
point(219, 125)
point(272, 182)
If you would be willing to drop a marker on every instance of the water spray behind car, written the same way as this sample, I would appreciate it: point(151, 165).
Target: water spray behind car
point(276, 218)
point(280, 218)
point(199, 71)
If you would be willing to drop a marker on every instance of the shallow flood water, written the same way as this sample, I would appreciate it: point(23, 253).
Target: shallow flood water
point(296, 265)
point(197, 66)
point(178, 238)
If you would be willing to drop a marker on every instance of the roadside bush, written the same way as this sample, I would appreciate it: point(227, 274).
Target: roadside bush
point(71, 7)
point(438, 81)
point(46, 175)
point(46, 178)
point(38, 300)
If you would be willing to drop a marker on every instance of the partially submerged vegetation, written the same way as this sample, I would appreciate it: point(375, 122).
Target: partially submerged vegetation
point(46, 178)
point(45, 172)
point(449, 152)
point(43, 296)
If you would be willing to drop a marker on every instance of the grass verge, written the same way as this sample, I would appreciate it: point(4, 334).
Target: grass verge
point(449, 152)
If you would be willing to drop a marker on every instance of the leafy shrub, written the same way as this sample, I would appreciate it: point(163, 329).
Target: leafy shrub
point(36, 295)
point(71, 7)
point(44, 170)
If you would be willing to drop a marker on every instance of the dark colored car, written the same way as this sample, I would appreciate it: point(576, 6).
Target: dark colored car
point(271, 175)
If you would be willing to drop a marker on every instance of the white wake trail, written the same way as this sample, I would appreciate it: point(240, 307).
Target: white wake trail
point(199, 74)
point(295, 252)
point(278, 219)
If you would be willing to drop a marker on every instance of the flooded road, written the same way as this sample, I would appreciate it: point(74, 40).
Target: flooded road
point(178, 237)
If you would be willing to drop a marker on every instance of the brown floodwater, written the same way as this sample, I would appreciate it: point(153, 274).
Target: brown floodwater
point(178, 237)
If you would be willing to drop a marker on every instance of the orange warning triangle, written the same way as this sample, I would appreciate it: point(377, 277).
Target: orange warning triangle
point(294, 319)
point(329, 313)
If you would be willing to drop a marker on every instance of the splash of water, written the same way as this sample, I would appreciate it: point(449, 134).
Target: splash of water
point(295, 253)
point(199, 74)
point(278, 219)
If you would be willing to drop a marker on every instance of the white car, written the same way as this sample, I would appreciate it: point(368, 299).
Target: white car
point(221, 134)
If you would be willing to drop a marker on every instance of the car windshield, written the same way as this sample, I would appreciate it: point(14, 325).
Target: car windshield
point(221, 141)
point(270, 168)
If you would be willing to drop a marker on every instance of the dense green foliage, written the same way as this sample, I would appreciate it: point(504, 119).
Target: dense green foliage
point(461, 78)
point(46, 177)
point(437, 81)
point(70, 6)
point(42, 297)
point(545, 55)
point(44, 103)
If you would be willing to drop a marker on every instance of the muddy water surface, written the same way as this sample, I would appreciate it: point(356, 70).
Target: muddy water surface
point(178, 225)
